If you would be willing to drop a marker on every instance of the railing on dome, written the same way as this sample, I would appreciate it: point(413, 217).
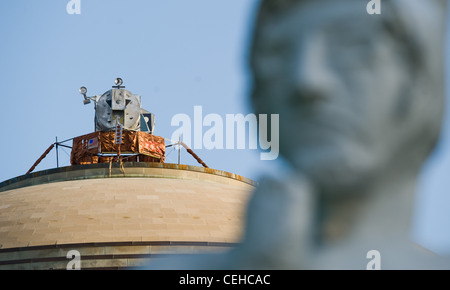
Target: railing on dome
point(100, 147)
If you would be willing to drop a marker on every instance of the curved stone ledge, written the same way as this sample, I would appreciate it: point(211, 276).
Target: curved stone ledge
point(109, 256)
point(130, 169)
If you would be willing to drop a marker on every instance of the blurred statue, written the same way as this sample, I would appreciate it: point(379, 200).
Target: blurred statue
point(360, 99)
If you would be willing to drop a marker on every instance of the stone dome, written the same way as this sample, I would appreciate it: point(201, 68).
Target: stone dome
point(118, 217)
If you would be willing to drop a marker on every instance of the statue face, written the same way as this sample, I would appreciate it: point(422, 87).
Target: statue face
point(336, 78)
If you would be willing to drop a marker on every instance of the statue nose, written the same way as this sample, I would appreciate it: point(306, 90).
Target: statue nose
point(310, 85)
point(308, 75)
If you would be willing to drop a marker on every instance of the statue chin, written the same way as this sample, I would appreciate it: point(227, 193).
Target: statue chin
point(335, 171)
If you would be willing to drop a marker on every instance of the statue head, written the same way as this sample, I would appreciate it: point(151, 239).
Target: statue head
point(359, 96)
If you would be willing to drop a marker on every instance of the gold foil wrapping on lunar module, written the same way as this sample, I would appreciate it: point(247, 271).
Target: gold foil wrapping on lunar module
point(92, 148)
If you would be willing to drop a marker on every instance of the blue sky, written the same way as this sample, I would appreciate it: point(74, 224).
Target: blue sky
point(176, 54)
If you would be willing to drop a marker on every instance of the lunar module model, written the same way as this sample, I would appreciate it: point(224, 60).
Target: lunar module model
point(123, 133)
point(123, 130)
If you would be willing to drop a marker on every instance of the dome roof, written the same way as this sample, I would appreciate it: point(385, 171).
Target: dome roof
point(141, 202)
